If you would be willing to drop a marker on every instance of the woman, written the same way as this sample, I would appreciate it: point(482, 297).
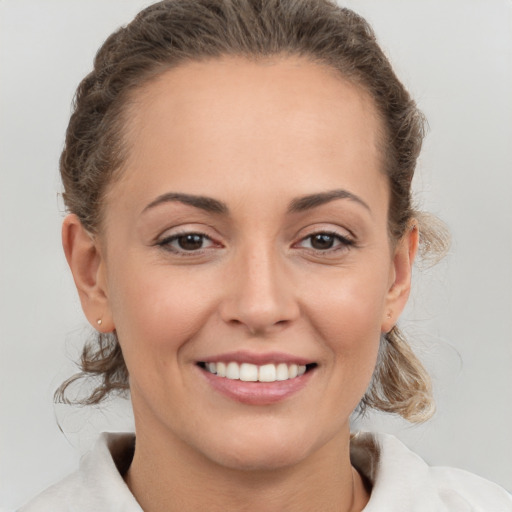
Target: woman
point(241, 236)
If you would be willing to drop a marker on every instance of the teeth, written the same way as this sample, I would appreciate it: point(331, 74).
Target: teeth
point(282, 372)
point(267, 373)
point(253, 373)
point(248, 372)
point(233, 371)
point(221, 369)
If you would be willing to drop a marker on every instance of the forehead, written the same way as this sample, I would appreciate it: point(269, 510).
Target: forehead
point(289, 122)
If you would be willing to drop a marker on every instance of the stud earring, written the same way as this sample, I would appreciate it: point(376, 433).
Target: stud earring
point(99, 321)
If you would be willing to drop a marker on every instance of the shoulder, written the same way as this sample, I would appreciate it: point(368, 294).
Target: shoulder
point(97, 485)
point(402, 481)
point(456, 485)
point(57, 497)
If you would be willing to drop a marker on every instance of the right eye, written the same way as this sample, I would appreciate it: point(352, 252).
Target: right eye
point(186, 242)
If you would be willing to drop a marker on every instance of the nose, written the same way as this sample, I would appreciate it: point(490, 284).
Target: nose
point(260, 294)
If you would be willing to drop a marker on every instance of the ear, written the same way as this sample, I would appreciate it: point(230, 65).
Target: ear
point(87, 265)
point(400, 277)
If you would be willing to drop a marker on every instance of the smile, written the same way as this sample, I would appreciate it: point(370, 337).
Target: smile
point(248, 372)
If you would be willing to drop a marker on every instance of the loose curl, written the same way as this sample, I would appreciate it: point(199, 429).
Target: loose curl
point(172, 32)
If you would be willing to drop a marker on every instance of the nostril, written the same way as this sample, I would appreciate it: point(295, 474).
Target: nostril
point(259, 307)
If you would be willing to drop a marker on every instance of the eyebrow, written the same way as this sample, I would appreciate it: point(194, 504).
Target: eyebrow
point(207, 204)
point(312, 201)
point(297, 205)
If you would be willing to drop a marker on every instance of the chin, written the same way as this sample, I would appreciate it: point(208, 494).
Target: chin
point(262, 449)
point(259, 458)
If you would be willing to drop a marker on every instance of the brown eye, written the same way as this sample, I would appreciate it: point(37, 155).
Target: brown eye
point(325, 242)
point(191, 242)
point(186, 242)
point(322, 241)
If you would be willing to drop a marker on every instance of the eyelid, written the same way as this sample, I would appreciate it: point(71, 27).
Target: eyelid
point(175, 236)
point(327, 228)
point(170, 235)
point(345, 241)
point(186, 228)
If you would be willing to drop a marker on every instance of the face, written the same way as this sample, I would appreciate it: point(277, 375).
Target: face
point(244, 259)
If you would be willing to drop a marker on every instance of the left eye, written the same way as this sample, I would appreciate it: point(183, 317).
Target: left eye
point(324, 241)
point(187, 242)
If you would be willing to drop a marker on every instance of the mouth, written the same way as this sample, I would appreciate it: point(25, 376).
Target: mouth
point(249, 372)
point(257, 379)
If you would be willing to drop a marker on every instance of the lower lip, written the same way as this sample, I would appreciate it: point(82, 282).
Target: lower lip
point(257, 393)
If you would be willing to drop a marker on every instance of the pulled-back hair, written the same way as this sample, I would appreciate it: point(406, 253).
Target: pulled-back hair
point(173, 32)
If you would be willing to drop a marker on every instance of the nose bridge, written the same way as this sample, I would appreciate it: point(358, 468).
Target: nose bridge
point(262, 294)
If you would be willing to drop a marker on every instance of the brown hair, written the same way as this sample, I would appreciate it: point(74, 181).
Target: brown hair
point(175, 31)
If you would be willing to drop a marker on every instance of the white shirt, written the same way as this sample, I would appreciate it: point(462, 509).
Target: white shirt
point(401, 481)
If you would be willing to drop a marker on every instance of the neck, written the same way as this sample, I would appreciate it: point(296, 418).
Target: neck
point(166, 475)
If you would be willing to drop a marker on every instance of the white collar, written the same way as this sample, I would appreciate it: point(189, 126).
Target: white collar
point(401, 480)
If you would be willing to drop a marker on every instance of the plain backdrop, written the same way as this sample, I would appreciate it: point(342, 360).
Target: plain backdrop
point(456, 58)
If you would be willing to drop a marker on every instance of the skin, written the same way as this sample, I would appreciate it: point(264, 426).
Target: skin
point(255, 136)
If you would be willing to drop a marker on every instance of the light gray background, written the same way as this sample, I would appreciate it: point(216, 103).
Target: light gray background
point(456, 58)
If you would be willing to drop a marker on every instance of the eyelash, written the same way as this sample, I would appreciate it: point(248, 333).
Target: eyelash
point(343, 243)
point(166, 243)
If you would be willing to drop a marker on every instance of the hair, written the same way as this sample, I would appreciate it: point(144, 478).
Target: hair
point(173, 32)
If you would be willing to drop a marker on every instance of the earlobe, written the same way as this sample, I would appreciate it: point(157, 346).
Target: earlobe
point(400, 285)
point(87, 265)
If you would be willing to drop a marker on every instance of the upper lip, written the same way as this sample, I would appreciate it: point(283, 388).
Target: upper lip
point(256, 358)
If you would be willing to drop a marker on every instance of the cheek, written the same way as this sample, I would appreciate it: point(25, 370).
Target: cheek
point(352, 335)
point(347, 317)
point(157, 311)
point(349, 307)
